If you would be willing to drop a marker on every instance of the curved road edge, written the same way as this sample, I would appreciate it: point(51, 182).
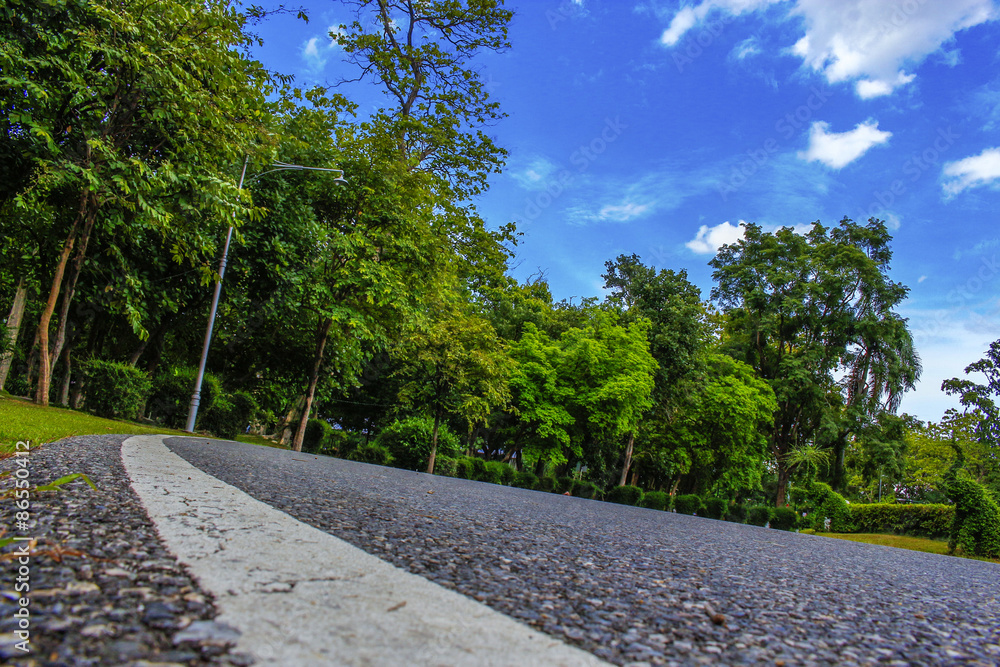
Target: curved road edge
point(300, 596)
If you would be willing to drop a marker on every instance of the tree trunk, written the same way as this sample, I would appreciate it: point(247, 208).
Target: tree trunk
point(67, 377)
point(44, 367)
point(784, 475)
point(434, 443)
point(628, 458)
point(284, 427)
point(13, 329)
point(324, 335)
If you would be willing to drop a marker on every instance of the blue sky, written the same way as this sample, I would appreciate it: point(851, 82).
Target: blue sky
point(656, 128)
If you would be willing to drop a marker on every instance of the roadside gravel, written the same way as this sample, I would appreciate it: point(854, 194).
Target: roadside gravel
point(103, 590)
point(637, 586)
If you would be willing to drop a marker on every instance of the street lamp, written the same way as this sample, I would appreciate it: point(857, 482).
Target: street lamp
point(196, 396)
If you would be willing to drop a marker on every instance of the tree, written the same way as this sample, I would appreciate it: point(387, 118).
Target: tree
point(798, 310)
point(981, 399)
point(454, 363)
point(137, 113)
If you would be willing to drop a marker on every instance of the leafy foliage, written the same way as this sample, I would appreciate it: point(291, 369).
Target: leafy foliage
point(976, 526)
point(625, 495)
point(656, 500)
point(409, 441)
point(689, 504)
point(115, 389)
point(932, 521)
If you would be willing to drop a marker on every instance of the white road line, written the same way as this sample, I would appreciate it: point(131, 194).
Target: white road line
point(300, 596)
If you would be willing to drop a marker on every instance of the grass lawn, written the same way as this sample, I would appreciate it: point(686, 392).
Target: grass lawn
point(899, 541)
point(21, 420)
point(260, 440)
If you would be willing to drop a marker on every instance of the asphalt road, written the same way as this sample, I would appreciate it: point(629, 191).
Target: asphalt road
point(633, 585)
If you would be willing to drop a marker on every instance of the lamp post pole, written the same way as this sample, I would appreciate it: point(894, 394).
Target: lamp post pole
point(196, 395)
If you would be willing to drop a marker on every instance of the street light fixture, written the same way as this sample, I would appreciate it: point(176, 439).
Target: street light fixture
point(276, 166)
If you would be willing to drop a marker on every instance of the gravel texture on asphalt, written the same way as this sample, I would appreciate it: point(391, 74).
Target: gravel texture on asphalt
point(637, 586)
point(103, 590)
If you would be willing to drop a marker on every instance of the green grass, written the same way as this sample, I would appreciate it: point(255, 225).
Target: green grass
point(24, 421)
point(260, 440)
point(899, 541)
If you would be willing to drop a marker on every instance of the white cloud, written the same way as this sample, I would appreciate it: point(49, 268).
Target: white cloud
point(745, 49)
point(316, 51)
point(972, 172)
point(708, 240)
point(623, 212)
point(837, 150)
point(869, 42)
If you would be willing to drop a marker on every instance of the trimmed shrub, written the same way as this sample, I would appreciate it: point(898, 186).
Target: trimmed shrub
point(230, 414)
point(587, 490)
point(689, 504)
point(498, 472)
point(548, 484)
point(655, 500)
point(758, 515)
point(833, 507)
point(464, 468)
point(625, 495)
point(445, 466)
point(317, 431)
point(171, 396)
point(976, 527)
point(480, 471)
point(737, 513)
point(372, 453)
point(115, 390)
point(783, 518)
point(409, 442)
point(933, 521)
point(715, 508)
point(565, 485)
point(525, 480)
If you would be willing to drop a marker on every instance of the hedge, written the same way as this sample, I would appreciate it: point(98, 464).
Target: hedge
point(656, 500)
point(976, 527)
point(933, 521)
point(115, 390)
point(625, 495)
point(715, 508)
point(689, 504)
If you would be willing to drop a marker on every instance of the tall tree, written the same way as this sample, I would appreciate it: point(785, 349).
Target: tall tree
point(798, 307)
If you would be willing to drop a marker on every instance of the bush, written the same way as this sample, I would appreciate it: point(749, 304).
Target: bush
point(689, 504)
point(715, 508)
point(758, 515)
point(480, 472)
point(737, 513)
point(548, 484)
point(498, 472)
point(976, 526)
point(625, 495)
point(833, 507)
point(932, 521)
point(565, 485)
point(587, 490)
point(115, 390)
point(525, 480)
point(464, 468)
point(171, 397)
point(784, 518)
point(445, 466)
point(317, 431)
point(372, 453)
point(230, 414)
point(655, 500)
point(409, 442)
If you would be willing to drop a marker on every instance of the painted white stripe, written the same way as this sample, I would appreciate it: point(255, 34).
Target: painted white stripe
point(300, 596)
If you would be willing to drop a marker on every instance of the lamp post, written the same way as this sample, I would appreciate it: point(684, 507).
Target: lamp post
point(196, 396)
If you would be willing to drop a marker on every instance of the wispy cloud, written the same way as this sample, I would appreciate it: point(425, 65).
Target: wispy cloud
point(316, 50)
point(972, 172)
point(534, 174)
point(838, 149)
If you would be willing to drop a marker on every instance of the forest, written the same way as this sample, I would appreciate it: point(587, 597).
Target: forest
point(375, 316)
